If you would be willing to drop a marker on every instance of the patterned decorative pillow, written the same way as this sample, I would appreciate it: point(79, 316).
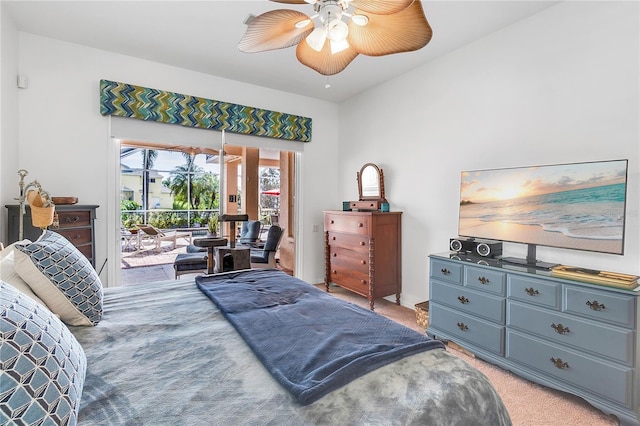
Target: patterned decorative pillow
point(62, 277)
point(43, 365)
point(9, 275)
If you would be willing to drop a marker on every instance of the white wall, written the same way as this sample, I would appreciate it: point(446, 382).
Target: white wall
point(561, 86)
point(63, 138)
point(8, 114)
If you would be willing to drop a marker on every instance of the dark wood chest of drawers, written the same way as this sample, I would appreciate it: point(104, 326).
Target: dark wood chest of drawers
point(363, 253)
point(76, 225)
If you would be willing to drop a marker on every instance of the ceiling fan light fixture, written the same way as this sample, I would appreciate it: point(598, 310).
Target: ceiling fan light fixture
point(339, 45)
point(337, 30)
point(360, 20)
point(303, 23)
point(317, 38)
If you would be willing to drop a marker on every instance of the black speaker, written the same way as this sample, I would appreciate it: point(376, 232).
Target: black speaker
point(484, 248)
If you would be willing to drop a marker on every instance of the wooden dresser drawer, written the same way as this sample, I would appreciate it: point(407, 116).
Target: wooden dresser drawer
point(486, 306)
point(72, 219)
point(485, 280)
point(446, 271)
point(76, 236)
point(611, 381)
point(478, 332)
point(350, 241)
point(342, 258)
point(351, 279)
point(352, 223)
point(536, 291)
point(612, 342)
point(600, 305)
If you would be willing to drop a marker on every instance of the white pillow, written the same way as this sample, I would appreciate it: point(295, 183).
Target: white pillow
point(9, 275)
point(62, 277)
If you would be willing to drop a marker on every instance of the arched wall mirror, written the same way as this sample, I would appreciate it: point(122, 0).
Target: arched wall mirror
point(371, 183)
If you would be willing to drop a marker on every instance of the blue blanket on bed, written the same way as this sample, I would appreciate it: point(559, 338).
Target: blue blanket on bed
point(310, 341)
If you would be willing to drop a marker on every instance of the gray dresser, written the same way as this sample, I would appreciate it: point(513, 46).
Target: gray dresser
point(572, 336)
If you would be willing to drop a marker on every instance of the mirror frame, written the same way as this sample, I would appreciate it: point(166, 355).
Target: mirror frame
point(380, 197)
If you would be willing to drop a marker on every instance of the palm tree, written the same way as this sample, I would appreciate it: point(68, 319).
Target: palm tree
point(191, 186)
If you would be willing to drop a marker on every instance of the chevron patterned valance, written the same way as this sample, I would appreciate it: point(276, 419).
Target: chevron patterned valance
point(127, 100)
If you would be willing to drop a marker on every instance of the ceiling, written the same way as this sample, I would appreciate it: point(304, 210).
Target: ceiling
point(203, 36)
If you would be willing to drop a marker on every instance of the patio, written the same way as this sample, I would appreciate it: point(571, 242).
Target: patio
point(151, 265)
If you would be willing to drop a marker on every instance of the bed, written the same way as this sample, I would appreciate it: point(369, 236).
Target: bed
point(165, 353)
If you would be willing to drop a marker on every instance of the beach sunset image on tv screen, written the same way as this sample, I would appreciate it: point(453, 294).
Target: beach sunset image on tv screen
point(578, 206)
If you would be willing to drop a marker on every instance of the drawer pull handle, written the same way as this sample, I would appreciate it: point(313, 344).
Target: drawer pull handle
point(560, 329)
point(483, 280)
point(362, 243)
point(559, 363)
point(70, 220)
point(462, 326)
point(335, 254)
point(531, 291)
point(334, 272)
point(332, 221)
point(360, 225)
point(363, 282)
point(445, 271)
point(333, 238)
point(363, 262)
point(595, 306)
point(463, 300)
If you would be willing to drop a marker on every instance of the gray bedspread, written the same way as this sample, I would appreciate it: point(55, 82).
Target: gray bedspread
point(164, 355)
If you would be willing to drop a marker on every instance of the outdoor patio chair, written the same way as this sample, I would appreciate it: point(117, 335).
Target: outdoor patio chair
point(266, 257)
point(250, 232)
point(157, 236)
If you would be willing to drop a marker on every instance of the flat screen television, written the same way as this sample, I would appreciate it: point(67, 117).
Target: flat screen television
point(577, 206)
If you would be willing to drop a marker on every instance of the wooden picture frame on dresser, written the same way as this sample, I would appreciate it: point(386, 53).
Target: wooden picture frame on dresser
point(363, 252)
point(76, 225)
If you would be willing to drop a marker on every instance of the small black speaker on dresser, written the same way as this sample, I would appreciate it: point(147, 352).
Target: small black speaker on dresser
point(484, 248)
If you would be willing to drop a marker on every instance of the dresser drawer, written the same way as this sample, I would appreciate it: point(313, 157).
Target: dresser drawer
point(533, 290)
point(446, 271)
point(612, 342)
point(481, 333)
point(485, 280)
point(76, 236)
point(600, 305)
point(488, 307)
point(612, 382)
point(72, 219)
point(342, 258)
point(351, 279)
point(350, 241)
point(351, 223)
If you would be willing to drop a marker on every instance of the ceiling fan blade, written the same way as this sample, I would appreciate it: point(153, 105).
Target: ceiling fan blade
point(291, 1)
point(274, 30)
point(404, 31)
point(381, 7)
point(324, 61)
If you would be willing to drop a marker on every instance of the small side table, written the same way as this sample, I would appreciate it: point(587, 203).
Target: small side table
point(210, 244)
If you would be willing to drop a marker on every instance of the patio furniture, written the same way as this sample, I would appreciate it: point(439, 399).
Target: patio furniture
point(250, 232)
point(266, 257)
point(157, 236)
point(210, 244)
point(129, 240)
point(190, 263)
point(233, 218)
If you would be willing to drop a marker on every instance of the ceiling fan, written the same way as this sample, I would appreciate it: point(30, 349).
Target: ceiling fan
point(339, 30)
